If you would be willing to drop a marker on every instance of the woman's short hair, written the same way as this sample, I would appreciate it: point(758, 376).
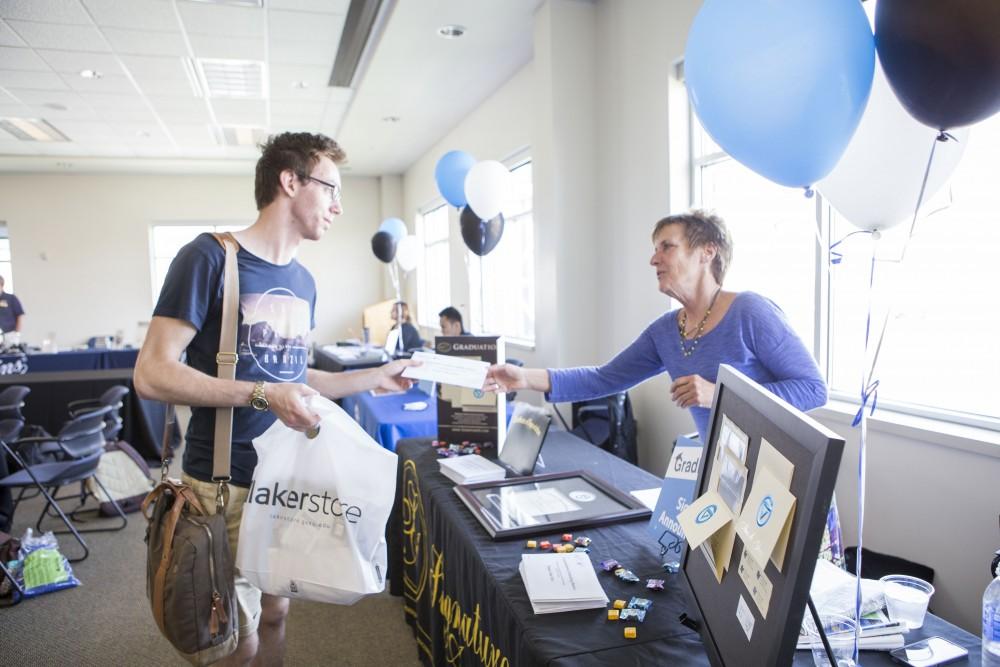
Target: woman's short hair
point(702, 228)
point(298, 151)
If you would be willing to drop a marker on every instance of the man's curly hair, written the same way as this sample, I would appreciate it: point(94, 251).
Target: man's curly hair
point(298, 151)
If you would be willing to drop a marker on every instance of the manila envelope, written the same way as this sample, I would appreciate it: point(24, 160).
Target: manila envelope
point(767, 510)
point(783, 470)
point(708, 518)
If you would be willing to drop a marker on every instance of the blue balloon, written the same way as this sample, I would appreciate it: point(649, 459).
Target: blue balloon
point(395, 227)
point(781, 86)
point(450, 176)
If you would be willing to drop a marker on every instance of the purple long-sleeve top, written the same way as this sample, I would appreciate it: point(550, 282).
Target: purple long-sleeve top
point(754, 337)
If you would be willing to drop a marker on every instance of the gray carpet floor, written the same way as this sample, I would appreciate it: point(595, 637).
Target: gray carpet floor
point(107, 620)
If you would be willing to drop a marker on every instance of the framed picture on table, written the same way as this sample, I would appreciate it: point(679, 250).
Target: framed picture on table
point(548, 503)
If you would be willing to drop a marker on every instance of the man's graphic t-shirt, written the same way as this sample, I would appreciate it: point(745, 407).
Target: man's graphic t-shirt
point(277, 305)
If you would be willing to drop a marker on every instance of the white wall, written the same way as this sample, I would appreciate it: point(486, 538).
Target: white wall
point(81, 255)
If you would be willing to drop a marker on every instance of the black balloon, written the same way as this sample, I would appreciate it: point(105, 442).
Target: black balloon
point(942, 58)
point(384, 246)
point(481, 236)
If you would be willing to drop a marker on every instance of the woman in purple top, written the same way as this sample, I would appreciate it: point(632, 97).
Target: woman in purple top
point(691, 253)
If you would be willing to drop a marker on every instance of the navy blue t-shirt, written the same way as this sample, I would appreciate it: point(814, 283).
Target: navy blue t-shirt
point(276, 314)
point(10, 310)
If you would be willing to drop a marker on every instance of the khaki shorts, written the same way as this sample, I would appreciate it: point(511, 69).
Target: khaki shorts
point(247, 595)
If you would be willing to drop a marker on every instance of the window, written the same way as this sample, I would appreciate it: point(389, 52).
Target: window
point(166, 242)
point(504, 280)
point(433, 273)
point(939, 358)
point(6, 269)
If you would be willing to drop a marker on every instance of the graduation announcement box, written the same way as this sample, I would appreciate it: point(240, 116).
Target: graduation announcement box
point(471, 414)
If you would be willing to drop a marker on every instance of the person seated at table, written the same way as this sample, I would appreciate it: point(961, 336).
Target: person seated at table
point(691, 253)
point(411, 339)
point(11, 311)
point(451, 322)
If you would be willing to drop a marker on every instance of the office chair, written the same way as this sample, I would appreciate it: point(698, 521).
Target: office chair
point(609, 423)
point(12, 400)
point(71, 456)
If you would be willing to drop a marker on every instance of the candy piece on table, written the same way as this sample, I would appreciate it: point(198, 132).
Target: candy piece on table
point(610, 565)
point(531, 544)
point(567, 537)
point(613, 614)
point(436, 443)
point(654, 584)
point(545, 544)
point(618, 604)
point(632, 615)
point(630, 632)
point(568, 548)
point(672, 568)
point(559, 549)
point(640, 603)
point(582, 541)
point(626, 575)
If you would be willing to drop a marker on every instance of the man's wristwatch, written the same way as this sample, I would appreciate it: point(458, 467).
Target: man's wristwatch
point(258, 401)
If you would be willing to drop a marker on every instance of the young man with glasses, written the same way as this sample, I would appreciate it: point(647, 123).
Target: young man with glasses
point(297, 188)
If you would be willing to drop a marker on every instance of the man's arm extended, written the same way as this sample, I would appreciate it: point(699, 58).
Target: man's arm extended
point(338, 385)
point(160, 375)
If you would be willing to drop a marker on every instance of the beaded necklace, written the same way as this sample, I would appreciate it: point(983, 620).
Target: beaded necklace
point(699, 330)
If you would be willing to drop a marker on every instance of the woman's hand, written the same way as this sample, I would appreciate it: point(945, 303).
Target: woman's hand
point(505, 378)
point(692, 391)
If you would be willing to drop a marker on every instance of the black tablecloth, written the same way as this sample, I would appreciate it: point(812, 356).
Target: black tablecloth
point(50, 393)
point(466, 603)
point(71, 360)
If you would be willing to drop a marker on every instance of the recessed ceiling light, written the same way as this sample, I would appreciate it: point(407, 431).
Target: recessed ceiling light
point(90, 74)
point(143, 134)
point(390, 119)
point(453, 31)
point(301, 85)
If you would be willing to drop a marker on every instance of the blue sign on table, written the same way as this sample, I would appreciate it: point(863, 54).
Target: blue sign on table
point(675, 494)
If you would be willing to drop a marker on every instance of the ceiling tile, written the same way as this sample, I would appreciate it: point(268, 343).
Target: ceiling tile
point(15, 110)
point(102, 101)
point(68, 37)
point(154, 66)
point(141, 133)
point(284, 78)
point(222, 19)
point(239, 112)
point(151, 85)
point(21, 59)
point(34, 80)
point(50, 11)
point(74, 61)
point(297, 108)
point(302, 53)
point(133, 115)
point(8, 37)
point(146, 42)
point(135, 14)
point(106, 84)
point(192, 135)
point(323, 6)
point(230, 48)
point(304, 26)
point(180, 109)
point(81, 131)
point(79, 112)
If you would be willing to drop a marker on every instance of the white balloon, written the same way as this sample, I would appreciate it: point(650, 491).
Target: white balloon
point(877, 181)
point(408, 252)
point(487, 188)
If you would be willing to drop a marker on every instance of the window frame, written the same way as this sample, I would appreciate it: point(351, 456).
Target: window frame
point(206, 226)
point(515, 160)
point(425, 318)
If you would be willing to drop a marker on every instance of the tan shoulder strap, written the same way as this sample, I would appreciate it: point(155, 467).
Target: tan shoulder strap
point(227, 357)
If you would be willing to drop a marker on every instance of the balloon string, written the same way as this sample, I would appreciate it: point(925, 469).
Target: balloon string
point(835, 256)
point(482, 295)
point(394, 276)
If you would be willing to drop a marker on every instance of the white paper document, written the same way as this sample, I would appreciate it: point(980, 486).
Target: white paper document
point(561, 582)
point(446, 369)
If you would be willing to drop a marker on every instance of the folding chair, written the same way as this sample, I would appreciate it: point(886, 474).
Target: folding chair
point(71, 456)
point(113, 397)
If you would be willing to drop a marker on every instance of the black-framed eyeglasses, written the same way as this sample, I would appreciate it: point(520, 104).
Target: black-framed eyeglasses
point(332, 188)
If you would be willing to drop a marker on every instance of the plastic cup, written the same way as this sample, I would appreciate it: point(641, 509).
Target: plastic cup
point(840, 635)
point(906, 599)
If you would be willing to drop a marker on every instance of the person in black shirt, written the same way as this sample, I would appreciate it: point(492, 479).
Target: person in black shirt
point(11, 311)
point(410, 335)
point(451, 322)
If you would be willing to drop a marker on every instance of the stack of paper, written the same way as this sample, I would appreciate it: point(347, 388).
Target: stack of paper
point(470, 469)
point(561, 582)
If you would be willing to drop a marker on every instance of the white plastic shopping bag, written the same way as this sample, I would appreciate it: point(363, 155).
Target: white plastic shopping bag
point(314, 522)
